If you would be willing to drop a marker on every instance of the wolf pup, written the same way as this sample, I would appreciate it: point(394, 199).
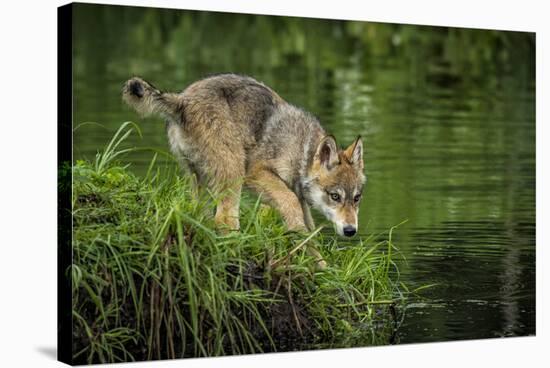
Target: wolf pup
point(230, 129)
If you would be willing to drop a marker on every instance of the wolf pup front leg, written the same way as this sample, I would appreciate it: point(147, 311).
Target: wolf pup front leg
point(274, 191)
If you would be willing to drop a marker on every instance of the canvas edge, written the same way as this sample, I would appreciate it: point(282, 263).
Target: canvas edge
point(64, 184)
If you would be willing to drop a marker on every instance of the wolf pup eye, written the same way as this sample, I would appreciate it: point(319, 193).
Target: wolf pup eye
point(357, 198)
point(335, 197)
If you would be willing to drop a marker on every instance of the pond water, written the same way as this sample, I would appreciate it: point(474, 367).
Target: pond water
point(447, 116)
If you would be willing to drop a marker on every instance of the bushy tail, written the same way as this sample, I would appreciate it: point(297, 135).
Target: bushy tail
point(147, 100)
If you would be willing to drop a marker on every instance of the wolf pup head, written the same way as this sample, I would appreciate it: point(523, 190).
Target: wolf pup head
point(335, 183)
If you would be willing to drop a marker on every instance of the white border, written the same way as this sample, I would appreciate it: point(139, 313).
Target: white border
point(28, 192)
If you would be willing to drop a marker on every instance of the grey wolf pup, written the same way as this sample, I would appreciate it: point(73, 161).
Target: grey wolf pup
point(230, 130)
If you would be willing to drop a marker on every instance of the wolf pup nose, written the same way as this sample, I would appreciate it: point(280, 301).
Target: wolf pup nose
point(349, 231)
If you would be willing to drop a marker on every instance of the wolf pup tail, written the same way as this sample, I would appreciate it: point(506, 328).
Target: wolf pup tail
point(147, 100)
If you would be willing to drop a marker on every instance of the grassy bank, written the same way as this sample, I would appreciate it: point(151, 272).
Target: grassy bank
point(153, 280)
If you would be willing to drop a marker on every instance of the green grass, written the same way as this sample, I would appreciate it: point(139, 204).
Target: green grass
point(152, 279)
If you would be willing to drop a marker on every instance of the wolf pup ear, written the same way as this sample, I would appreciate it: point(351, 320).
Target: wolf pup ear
point(327, 152)
point(354, 152)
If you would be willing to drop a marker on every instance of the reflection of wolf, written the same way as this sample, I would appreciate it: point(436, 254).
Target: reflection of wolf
point(227, 128)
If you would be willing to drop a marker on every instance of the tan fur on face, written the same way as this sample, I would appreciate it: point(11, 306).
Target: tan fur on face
point(344, 177)
point(347, 213)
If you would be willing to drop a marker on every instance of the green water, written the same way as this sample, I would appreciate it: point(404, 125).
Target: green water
point(447, 116)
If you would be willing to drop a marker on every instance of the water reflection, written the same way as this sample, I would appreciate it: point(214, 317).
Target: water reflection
point(447, 117)
point(485, 271)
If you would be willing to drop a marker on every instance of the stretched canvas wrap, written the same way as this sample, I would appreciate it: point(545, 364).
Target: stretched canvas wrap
point(233, 184)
